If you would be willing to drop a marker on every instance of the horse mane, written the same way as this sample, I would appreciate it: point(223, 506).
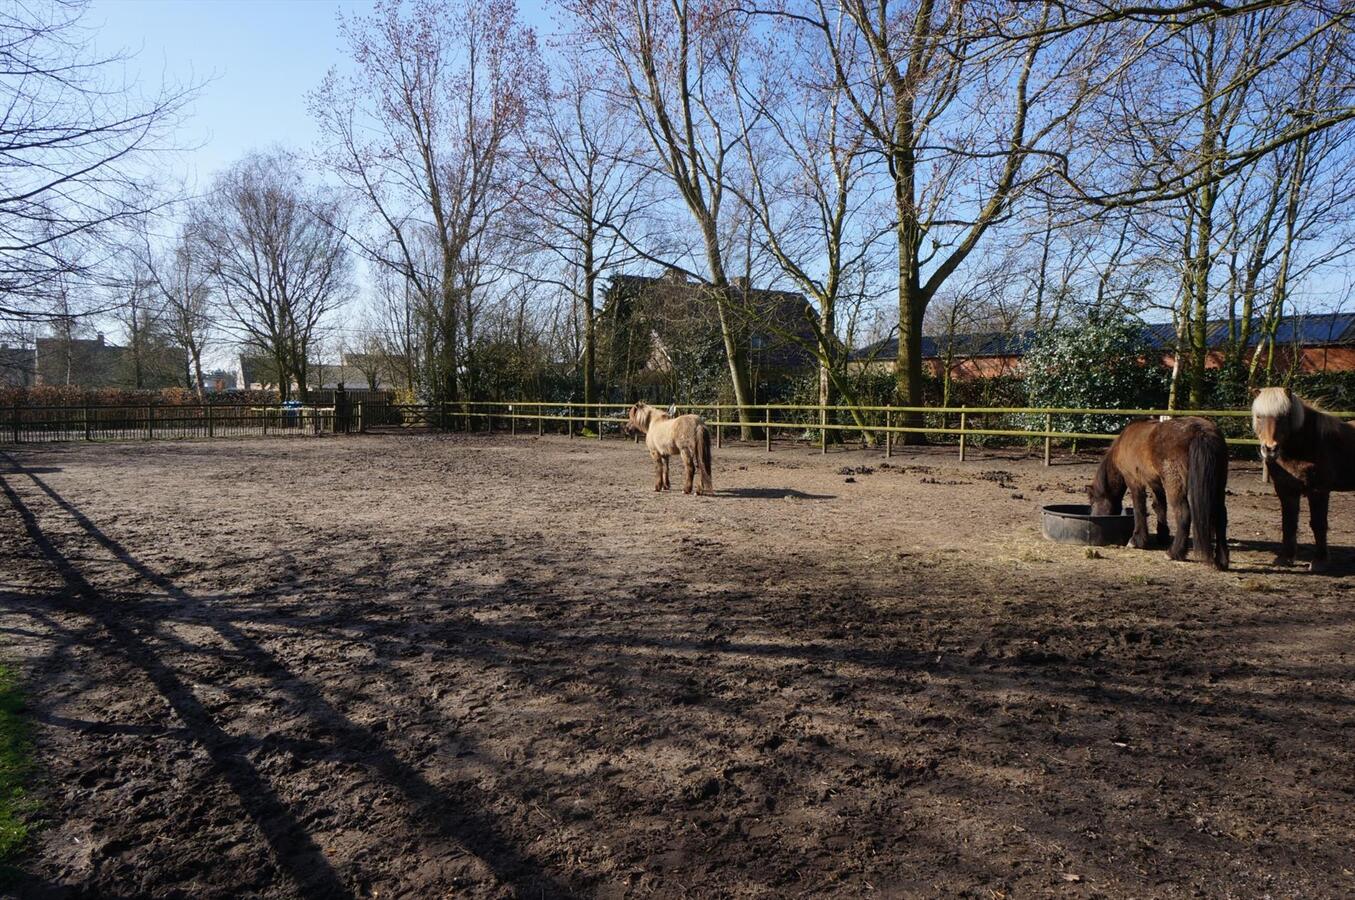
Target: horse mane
point(1283, 403)
point(1280, 403)
point(1106, 481)
point(1324, 422)
point(648, 415)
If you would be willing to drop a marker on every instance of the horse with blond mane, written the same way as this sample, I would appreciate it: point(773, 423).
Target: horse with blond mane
point(1305, 452)
point(665, 436)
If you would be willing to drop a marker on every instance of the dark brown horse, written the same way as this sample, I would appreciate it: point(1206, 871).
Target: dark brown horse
point(1305, 451)
point(1184, 462)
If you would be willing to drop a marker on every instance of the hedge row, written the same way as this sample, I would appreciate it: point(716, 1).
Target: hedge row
point(70, 395)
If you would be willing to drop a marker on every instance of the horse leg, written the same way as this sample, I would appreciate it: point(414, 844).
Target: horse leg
point(1179, 510)
point(658, 471)
point(1139, 497)
point(689, 466)
point(1317, 518)
point(667, 485)
point(1289, 526)
point(1160, 514)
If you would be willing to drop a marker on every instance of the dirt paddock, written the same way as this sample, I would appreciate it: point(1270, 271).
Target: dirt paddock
point(487, 666)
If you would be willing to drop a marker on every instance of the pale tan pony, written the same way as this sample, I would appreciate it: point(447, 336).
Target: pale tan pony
point(665, 436)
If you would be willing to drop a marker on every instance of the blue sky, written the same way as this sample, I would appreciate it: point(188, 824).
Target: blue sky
point(259, 60)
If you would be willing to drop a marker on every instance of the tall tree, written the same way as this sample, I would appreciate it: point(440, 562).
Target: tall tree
point(279, 259)
point(957, 109)
point(74, 138)
point(669, 61)
point(578, 194)
point(182, 275)
point(420, 133)
point(812, 192)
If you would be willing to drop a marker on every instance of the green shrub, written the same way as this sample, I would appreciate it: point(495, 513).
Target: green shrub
point(1100, 364)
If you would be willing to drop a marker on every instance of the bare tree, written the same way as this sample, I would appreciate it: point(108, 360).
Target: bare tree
point(579, 193)
point(73, 139)
point(957, 108)
point(182, 275)
point(139, 313)
point(279, 261)
point(420, 134)
point(812, 193)
point(670, 61)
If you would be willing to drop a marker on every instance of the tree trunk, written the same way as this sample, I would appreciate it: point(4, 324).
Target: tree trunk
point(589, 327)
point(734, 345)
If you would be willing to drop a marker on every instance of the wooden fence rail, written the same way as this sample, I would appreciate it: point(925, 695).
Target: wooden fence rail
point(876, 425)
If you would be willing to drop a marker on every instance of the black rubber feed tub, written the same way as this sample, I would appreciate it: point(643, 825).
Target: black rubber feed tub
point(1073, 523)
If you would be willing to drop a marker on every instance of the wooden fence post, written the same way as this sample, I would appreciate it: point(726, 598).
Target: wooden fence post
point(767, 429)
point(540, 421)
point(889, 435)
point(16, 421)
point(150, 423)
point(719, 432)
point(88, 435)
point(1048, 427)
point(599, 423)
point(962, 433)
point(569, 419)
point(512, 421)
point(211, 431)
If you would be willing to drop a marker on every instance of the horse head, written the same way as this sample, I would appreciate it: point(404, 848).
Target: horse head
point(1275, 414)
point(637, 420)
point(1105, 495)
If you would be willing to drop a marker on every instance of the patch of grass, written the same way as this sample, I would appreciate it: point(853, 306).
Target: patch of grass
point(15, 766)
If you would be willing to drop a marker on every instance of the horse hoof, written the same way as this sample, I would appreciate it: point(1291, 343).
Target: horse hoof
point(1317, 566)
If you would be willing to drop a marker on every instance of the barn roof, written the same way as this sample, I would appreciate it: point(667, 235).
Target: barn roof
point(1312, 330)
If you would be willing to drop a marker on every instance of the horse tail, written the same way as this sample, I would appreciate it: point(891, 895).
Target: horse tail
point(1206, 489)
point(703, 458)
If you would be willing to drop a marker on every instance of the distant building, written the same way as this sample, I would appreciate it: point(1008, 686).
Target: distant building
point(77, 361)
point(218, 380)
point(1322, 342)
point(256, 373)
point(259, 373)
point(980, 355)
point(654, 325)
point(18, 367)
point(95, 363)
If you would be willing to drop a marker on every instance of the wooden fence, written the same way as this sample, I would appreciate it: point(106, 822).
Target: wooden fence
point(870, 425)
point(40, 424)
point(863, 425)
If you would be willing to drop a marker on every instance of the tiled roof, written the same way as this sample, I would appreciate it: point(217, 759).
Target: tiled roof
point(1314, 330)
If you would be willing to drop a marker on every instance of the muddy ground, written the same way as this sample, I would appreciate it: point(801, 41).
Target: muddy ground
point(487, 667)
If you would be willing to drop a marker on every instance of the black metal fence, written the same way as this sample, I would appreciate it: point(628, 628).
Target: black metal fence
point(43, 424)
